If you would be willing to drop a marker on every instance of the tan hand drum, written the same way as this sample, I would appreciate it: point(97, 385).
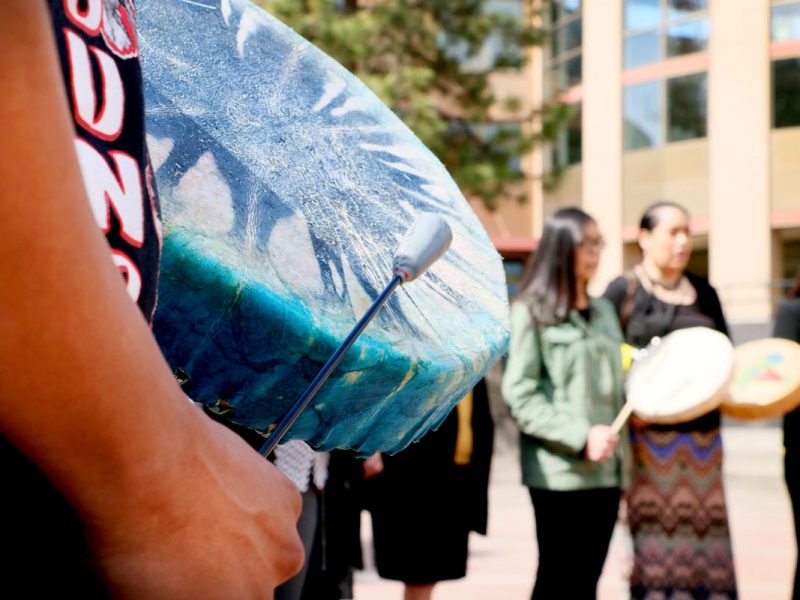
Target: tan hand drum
point(766, 379)
point(679, 377)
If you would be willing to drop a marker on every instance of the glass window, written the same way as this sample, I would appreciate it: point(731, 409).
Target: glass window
point(698, 262)
point(565, 43)
point(642, 14)
point(485, 58)
point(567, 148)
point(662, 30)
point(511, 8)
point(791, 262)
point(786, 93)
point(574, 148)
point(642, 113)
point(495, 51)
point(687, 37)
point(555, 42)
point(571, 72)
point(565, 75)
point(552, 79)
point(478, 62)
point(498, 135)
point(641, 49)
point(570, 7)
point(786, 22)
point(563, 9)
point(571, 36)
point(686, 107)
point(682, 8)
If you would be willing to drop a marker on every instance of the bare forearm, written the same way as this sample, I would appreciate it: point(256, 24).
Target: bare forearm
point(83, 389)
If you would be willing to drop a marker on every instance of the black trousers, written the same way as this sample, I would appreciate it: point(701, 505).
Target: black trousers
point(573, 531)
point(791, 464)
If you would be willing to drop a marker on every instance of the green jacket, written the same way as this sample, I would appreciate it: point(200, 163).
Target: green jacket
point(559, 381)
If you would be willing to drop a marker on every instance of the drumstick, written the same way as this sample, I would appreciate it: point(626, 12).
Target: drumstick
point(424, 243)
point(623, 415)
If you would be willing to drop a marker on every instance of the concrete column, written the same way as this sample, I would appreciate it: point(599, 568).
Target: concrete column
point(602, 129)
point(739, 177)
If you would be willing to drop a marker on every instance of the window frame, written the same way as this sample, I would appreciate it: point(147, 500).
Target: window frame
point(666, 22)
point(777, 4)
point(664, 123)
point(556, 81)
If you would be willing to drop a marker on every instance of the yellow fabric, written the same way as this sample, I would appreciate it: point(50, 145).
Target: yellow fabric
point(627, 356)
point(463, 454)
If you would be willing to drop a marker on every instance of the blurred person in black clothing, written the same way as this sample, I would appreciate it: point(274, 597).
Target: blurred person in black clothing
point(787, 325)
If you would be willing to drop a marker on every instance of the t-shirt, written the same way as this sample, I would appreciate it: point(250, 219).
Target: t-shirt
point(100, 62)
point(42, 536)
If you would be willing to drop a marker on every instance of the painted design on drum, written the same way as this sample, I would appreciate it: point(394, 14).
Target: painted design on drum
point(764, 371)
point(285, 186)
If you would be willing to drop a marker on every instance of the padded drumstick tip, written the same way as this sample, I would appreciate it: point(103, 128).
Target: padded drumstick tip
point(424, 243)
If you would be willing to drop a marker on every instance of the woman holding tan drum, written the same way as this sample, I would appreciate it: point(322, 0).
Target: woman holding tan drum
point(676, 504)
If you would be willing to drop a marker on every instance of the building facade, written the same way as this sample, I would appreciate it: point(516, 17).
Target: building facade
point(695, 101)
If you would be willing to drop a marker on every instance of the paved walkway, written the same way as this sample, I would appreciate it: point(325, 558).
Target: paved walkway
point(502, 564)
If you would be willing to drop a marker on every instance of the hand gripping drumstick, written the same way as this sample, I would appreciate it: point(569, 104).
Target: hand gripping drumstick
point(423, 244)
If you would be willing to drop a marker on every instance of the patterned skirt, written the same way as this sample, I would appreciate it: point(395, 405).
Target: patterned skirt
point(677, 515)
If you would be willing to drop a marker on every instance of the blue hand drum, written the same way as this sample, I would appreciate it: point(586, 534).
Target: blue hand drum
point(285, 187)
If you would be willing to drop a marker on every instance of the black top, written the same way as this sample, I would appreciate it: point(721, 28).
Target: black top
point(690, 315)
point(787, 325)
point(651, 317)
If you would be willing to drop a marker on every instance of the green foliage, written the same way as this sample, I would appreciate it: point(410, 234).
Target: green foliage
point(420, 57)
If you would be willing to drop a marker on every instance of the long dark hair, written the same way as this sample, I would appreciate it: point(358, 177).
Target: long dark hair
point(550, 282)
point(649, 219)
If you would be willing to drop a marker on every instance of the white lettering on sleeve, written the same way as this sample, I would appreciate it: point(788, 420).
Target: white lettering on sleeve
point(108, 191)
point(89, 19)
point(133, 279)
point(104, 121)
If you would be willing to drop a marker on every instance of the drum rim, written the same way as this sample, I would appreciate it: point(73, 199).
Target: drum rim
point(751, 411)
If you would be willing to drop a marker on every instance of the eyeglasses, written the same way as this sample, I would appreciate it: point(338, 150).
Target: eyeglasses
point(594, 245)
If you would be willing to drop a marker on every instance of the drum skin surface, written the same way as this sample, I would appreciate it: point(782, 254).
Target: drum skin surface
point(766, 379)
point(682, 376)
point(285, 186)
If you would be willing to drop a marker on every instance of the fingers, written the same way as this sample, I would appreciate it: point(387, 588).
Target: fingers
point(288, 552)
point(610, 447)
point(373, 466)
point(602, 443)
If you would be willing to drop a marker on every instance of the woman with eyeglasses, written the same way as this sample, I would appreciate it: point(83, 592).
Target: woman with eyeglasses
point(676, 503)
point(563, 387)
